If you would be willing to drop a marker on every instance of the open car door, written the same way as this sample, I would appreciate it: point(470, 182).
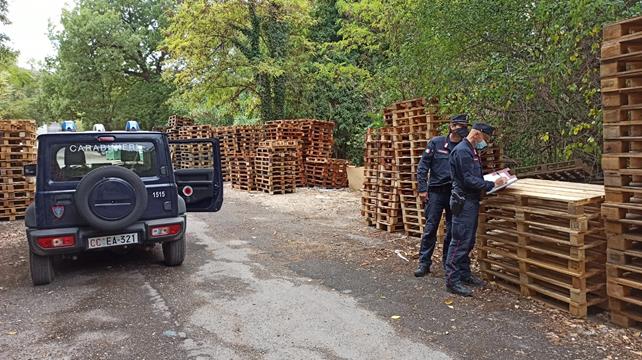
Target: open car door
point(199, 178)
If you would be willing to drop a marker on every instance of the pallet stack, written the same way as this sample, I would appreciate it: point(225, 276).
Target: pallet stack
point(276, 166)
point(411, 127)
point(227, 144)
point(318, 138)
point(621, 80)
point(545, 239)
point(176, 122)
point(17, 148)
point(370, 190)
point(571, 171)
point(392, 158)
point(185, 156)
point(292, 131)
point(248, 137)
point(389, 216)
point(242, 173)
point(313, 139)
point(326, 172)
point(492, 158)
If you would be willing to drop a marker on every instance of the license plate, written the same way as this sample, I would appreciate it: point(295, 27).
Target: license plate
point(112, 240)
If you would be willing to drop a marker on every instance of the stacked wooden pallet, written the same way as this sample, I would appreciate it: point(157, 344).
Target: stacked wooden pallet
point(621, 73)
point(492, 158)
point(313, 139)
point(175, 122)
point(318, 138)
point(545, 239)
point(276, 166)
point(571, 171)
point(392, 159)
point(326, 172)
point(242, 171)
point(248, 137)
point(389, 216)
point(17, 148)
point(292, 131)
point(196, 155)
point(410, 136)
point(226, 136)
point(370, 190)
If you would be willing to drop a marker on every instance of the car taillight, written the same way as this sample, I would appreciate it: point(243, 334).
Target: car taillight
point(165, 230)
point(52, 242)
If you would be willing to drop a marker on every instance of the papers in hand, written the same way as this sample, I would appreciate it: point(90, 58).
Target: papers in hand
point(504, 173)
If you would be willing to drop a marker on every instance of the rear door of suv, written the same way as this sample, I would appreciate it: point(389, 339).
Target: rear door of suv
point(198, 173)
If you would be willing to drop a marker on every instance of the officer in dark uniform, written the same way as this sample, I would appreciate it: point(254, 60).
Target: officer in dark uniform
point(468, 186)
point(434, 162)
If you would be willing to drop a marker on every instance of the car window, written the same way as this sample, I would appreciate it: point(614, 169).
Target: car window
point(73, 161)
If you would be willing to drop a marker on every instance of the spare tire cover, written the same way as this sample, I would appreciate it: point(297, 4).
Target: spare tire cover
point(111, 198)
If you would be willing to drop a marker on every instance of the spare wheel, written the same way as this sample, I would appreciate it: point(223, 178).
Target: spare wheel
point(111, 198)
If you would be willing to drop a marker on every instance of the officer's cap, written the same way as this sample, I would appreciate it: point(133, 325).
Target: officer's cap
point(485, 128)
point(459, 119)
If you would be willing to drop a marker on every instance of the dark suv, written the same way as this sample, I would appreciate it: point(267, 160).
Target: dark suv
point(98, 190)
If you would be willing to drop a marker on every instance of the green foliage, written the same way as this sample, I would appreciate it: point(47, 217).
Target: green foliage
point(18, 88)
point(6, 54)
point(531, 68)
point(108, 67)
point(234, 56)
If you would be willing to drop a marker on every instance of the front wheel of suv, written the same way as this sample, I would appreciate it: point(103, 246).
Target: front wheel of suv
point(174, 252)
point(42, 272)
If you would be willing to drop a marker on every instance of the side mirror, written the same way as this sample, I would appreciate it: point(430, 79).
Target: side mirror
point(30, 170)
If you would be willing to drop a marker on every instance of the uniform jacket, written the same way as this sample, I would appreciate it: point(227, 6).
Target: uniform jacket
point(434, 161)
point(466, 170)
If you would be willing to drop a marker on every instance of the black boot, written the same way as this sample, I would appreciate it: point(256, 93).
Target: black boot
point(422, 270)
point(459, 289)
point(473, 280)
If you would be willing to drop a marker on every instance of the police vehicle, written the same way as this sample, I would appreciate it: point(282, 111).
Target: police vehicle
point(97, 190)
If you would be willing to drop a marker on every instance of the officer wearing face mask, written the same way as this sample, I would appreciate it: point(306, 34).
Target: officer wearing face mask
point(435, 193)
point(468, 187)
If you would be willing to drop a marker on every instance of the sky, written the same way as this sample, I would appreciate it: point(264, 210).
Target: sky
point(29, 27)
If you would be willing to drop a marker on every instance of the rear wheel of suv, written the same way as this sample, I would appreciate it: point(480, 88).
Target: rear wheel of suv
point(174, 252)
point(42, 272)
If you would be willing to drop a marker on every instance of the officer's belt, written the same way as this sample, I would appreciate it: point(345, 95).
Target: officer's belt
point(470, 196)
point(440, 188)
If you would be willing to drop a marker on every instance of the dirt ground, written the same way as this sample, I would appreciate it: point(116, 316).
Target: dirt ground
point(332, 270)
point(369, 249)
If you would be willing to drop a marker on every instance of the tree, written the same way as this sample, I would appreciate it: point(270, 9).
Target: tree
point(531, 68)
point(235, 55)
point(108, 64)
point(6, 54)
point(331, 85)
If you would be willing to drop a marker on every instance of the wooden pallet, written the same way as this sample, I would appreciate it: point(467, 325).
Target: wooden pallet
point(13, 125)
point(569, 171)
point(625, 294)
point(546, 240)
point(176, 121)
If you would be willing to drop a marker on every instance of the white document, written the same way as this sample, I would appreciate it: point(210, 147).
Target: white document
point(504, 173)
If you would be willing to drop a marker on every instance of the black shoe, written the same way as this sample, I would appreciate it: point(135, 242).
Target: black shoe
point(473, 280)
point(459, 289)
point(422, 270)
